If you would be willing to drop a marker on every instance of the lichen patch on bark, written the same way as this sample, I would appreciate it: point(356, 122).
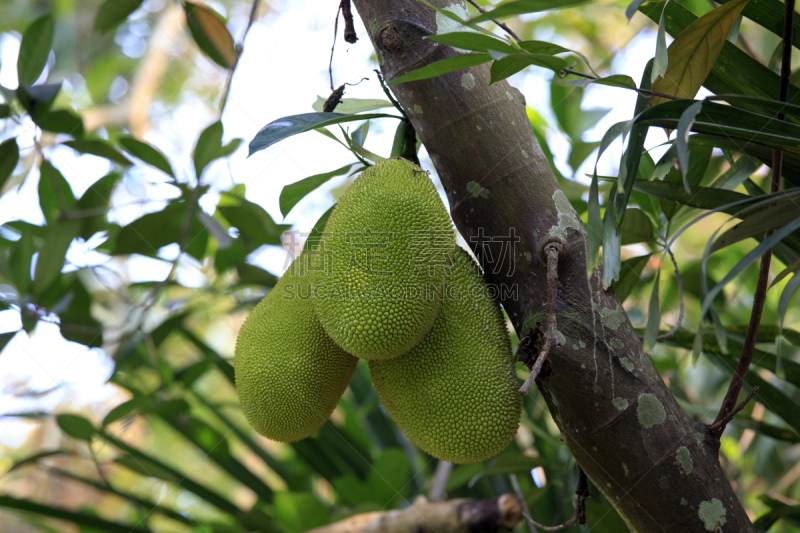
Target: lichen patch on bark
point(712, 513)
point(650, 411)
point(620, 403)
point(684, 459)
point(476, 190)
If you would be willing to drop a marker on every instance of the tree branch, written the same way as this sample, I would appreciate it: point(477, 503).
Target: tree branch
point(452, 516)
point(727, 411)
point(615, 413)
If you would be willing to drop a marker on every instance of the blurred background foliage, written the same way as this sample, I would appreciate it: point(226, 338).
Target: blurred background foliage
point(154, 264)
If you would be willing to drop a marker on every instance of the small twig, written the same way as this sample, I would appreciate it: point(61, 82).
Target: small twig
point(552, 330)
point(760, 295)
point(526, 512)
point(724, 422)
point(239, 51)
point(674, 328)
point(349, 26)
point(439, 484)
point(499, 24)
point(333, 46)
point(647, 92)
point(579, 516)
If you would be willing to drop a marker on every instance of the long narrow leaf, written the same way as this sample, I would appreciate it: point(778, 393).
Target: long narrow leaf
point(82, 519)
point(444, 66)
point(285, 127)
point(751, 257)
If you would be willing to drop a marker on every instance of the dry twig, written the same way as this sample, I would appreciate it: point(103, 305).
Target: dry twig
point(552, 330)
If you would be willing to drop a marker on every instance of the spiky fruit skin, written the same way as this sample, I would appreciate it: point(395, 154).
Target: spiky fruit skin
point(389, 243)
point(455, 394)
point(289, 373)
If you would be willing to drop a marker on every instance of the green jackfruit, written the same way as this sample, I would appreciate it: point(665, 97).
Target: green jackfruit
point(455, 394)
point(382, 262)
point(289, 373)
point(387, 248)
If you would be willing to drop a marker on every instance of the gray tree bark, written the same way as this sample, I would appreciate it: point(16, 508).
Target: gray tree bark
point(658, 467)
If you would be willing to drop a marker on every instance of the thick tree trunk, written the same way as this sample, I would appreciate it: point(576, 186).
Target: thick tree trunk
point(658, 467)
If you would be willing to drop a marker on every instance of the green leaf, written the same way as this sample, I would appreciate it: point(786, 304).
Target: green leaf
point(653, 316)
point(209, 147)
point(630, 276)
point(76, 426)
point(350, 106)
point(476, 42)
point(59, 121)
point(146, 153)
point(316, 232)
point(253, 275)
point(779, 512)
point(36, 98)
point(727, 121)
point(633, 152)
point(124, 409)
point(147, 234)
point(35, 49)
point(76, 322)
point(763, 105)
point(100, 148)
point(757, 224)
point(701, 197)
point(82, 519)
point(444, 66)
point(693, 53)
point(296, 512)
point(510, 65)
point(20, 262)
point(682, 140)
point(293, 193)
point(252, 221)
point(518, 7)
point(636, 227)
point(542, 47)
point(5, 338)
point(96, 200)
point(661, 60)
point(55, 194)
point(387, 481)
point(794, 267)
point(617, 80)
point(734, 72)
point(286, 127)
point(5, 111)
point(210, 33)
point(114, 12)
point(52, 254)
point(770, 14)
point(748, 259)
point(9, 157)
point(509, 462)
point(611, 242)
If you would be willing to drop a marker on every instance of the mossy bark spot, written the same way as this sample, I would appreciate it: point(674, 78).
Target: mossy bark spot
point(650, 411)
point(712, 513)
point(476, 190)
point(684, 459)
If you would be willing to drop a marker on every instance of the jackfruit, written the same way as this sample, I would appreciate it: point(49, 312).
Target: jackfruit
point(289, 373)
point(382, 262)
point(455, 394)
